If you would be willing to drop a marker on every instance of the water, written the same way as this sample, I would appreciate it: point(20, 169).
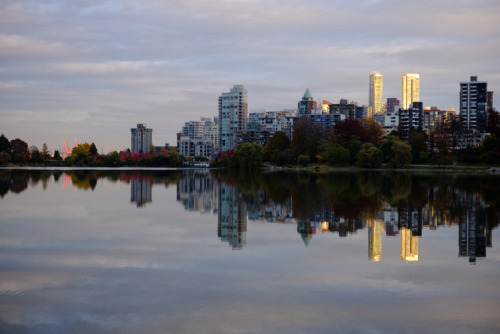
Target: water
point(194, 252)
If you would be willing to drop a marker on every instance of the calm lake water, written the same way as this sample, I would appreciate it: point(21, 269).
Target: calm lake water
point(210, 252)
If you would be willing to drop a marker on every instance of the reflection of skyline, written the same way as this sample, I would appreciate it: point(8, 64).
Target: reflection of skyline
point(472, 232)
point(316, 203)
point(140, 192)
point(232, 217)
point(198, 193)
point(375, 228)
point(409, 245)
point(403, 219)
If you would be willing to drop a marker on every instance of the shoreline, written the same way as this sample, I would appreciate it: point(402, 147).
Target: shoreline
point(271, 168)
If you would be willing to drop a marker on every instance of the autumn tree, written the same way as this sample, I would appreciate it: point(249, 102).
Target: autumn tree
point(418, 143)
point(19, 149)
point(348, 129)
point(80, 154)
point(307, 137)
point(373, 130)
point(19, 146)
point(493, 126)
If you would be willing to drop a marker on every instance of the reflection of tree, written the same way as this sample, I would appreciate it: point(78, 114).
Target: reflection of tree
point(245, 181)
point(277, 187)
point(19, 181)
point(4, 182)
point(395, 187)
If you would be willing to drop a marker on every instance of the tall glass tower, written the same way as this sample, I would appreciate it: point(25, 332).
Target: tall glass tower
point(410, 91)
point(233, 115)
point(376, 91)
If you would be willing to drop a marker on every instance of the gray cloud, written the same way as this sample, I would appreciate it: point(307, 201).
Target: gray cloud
point(93, 69)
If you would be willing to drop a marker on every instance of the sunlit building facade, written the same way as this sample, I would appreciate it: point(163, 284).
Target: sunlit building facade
point(410, 91)
point(376, 92)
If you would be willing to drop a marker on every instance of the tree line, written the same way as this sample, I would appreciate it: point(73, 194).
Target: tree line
point(17, 152)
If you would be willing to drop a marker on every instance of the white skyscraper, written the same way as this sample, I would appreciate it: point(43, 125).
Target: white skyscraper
point(142, 139)
point(410, 89)
point(376, 92)
point(233, 115)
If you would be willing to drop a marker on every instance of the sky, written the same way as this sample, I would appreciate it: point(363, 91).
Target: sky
point(92, 70)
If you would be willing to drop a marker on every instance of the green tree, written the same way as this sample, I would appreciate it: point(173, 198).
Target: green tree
point(5, 158)
point(93, 150)
point(4, 144)
point(303, 160)
point(248, 156)
point(57, 155)
point(369, 156)
point(402, 154)
point(277, 143)
point(386, 148)
point(45, 152)
point(337, 155)
point(36, 157)
point(113, 159)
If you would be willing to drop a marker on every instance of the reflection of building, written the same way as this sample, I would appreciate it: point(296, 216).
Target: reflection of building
point(375, 228)
point(140, 192)
point(198, 192)
point(142, 139)
point(306, 231)
point(409, 245)
point(232, 222)
point(472, 237)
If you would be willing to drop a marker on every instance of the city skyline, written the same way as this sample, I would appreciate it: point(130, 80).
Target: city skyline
point(93, 70)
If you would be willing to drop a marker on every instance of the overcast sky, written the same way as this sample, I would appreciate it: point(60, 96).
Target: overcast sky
point(94, 69)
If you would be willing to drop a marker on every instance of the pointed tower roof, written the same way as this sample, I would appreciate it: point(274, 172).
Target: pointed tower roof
point(307, 95)
point(306, 238)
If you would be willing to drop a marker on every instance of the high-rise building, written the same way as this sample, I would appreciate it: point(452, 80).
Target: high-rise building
point(410, 91)
point(142, 139)
point(233, 114)
point(376, 92)
point(306, 104)
point(392, 105)
point(473, 103)
point(410, 120)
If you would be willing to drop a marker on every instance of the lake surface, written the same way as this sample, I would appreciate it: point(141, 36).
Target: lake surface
point(211, 252)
